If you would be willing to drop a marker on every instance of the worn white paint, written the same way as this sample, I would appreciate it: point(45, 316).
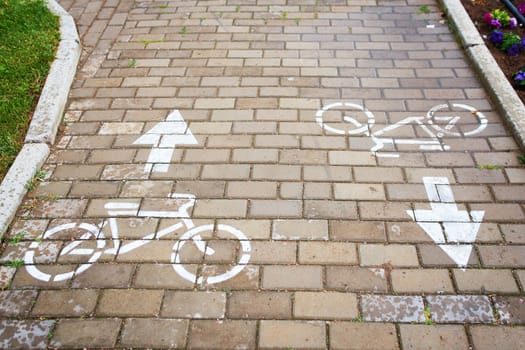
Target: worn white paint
point(452, 229)
point(163, 138)
point(119, 209)
point(433, 127)
point(194, 236)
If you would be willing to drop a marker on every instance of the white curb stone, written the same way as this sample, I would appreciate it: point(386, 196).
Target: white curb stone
point(507, 101)
point(50, 108)
point(13, 189)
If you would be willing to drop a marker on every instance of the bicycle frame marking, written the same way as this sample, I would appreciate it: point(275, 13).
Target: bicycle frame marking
point(425, 123)
point(124, 209)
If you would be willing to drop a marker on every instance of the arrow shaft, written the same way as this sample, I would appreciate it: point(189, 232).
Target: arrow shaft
point(439, 193)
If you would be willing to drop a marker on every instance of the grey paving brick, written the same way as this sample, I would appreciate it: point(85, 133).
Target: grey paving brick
point(79, 333)
point(17, 303)
point(433, 337)
point(25, 334)
point(492, 337)
point(208, 334)
point(460, 308)
point(296, 334)
point(363, 336)
point(169, 333)
point(389, 308)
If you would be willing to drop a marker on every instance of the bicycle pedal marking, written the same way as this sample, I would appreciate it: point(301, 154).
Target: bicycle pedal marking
point(90, 243)
point(164, 138)
point(434, 127)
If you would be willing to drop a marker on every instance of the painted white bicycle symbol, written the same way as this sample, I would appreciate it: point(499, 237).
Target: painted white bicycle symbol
point(92, 243)
point(441, 120)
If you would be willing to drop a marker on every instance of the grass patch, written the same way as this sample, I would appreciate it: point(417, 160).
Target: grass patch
point(29, 35)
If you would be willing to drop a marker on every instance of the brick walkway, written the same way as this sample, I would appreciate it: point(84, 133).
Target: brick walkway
point(222, 119)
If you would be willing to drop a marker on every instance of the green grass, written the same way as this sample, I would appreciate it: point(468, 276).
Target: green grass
point(29, 35)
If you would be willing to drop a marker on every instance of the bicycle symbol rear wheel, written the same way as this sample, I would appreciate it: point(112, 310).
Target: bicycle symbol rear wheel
point(89, 233)
point(190, 236)
point(333, 118)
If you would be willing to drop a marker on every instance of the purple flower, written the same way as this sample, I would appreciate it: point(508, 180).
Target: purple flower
point(488, 17)
point(521, 8)
point(495, 23)
point(513, 22)
point(520, 76)
point(496, 37)
point(522, 43)
point(514, 50)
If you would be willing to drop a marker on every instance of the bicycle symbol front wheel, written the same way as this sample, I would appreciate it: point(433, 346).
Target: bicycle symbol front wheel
point(193, 236)
point(456, 120)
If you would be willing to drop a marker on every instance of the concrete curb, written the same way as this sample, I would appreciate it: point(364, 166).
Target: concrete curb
point(507, 101)
point(45, 121)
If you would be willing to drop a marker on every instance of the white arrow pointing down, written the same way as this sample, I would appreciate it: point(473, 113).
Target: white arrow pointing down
point(445, 223)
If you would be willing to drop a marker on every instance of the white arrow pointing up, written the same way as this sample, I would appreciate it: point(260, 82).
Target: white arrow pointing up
point(445, 223)
point(164, 137)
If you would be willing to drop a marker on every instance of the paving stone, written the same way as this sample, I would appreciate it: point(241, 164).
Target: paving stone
point(105, 276)
point(253, 229)
point(363, 336)
point(6, 276)
point(395, 254)
point(56, 303)
point(168, 333)
point(424, 280)
point(511, 310)
point(259, 305)
point(23, 280)
point(327, 253)
point(46, 252)
point(222, 208)
point(17, 303)
point(294, 334)
point(502, 256)
point(194, 305)
point(357, 231)
point(246, 279)
point(323, 209)
point(60, 208)
point(389, 308)
point(94, 189)
point(275, 208)
point(378, 174)
point(433, 337)
point(432, 255)
point(80, 333)
point(129, 302)
point(155, 251)
point(270, 252)
point(497, 337)
point(161, 276)
point(325, 305)
point(292, 277)
point(383, 210)
point(348, 278)
point(460, 308)
point(208, 334)
point(249, 189)
point(25, 334)
point(300, 230)
point(483, 281)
